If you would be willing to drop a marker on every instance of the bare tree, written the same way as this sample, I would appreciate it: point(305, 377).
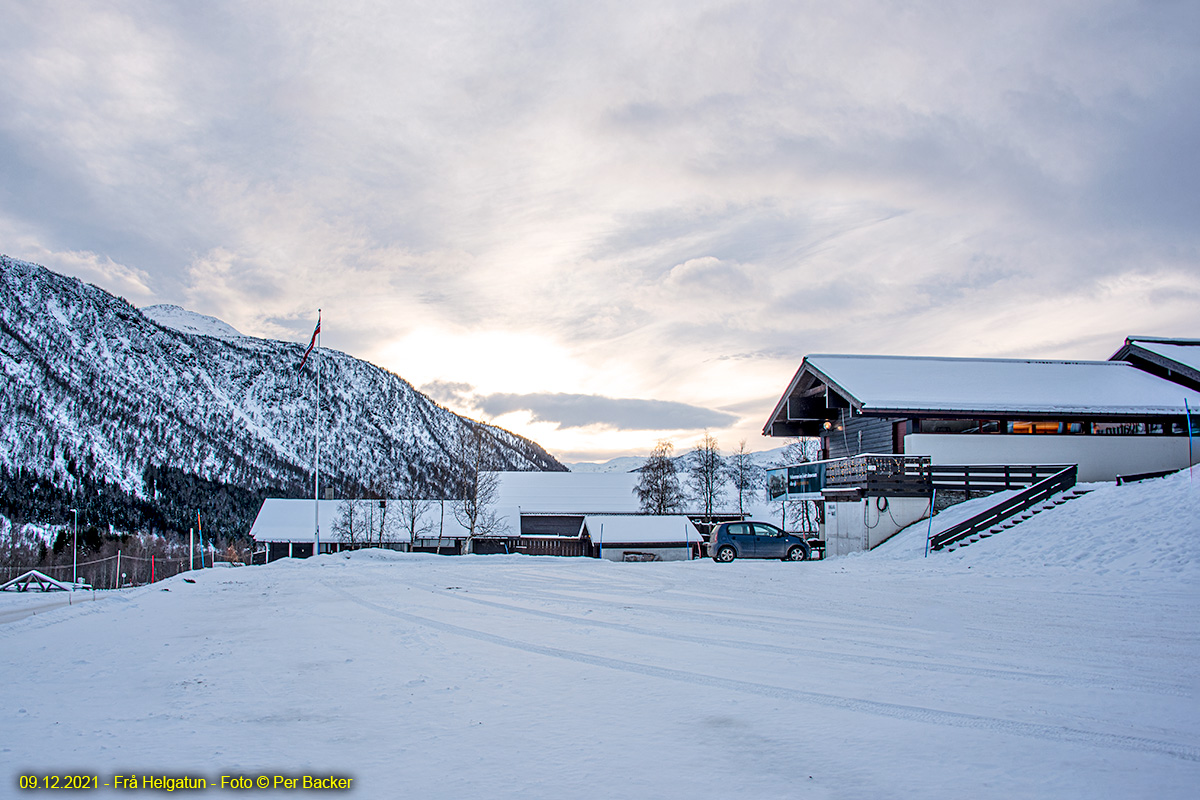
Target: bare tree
point(386, 515)
point(477, 487)
point(800, 451)
point(706, 476)
point(410, 517)
point(658, 489)
point(351, 525)
point(745, 476)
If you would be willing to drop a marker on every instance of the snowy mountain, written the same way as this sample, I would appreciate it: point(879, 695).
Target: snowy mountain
point(185, 321)
point(97, 393)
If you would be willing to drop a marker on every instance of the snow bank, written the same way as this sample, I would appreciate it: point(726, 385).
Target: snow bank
point(1149, 529)
point(982, 673)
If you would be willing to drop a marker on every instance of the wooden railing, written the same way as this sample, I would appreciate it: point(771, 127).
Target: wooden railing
point(900, 475)
point(988, 478)
point(1035, 494)
point(855, 470)
point(893, 475)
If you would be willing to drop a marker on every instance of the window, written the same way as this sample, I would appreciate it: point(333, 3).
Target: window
point(766, 530)
point(960, 426)
point(1035, 427)
point(1118, 428)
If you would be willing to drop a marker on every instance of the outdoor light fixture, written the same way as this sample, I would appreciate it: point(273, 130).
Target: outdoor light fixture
point(828, 424)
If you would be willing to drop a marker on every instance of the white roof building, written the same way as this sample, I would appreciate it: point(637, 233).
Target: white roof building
point(286, 520)
point(993, 386)
point(1109, 417)
point(579, 493)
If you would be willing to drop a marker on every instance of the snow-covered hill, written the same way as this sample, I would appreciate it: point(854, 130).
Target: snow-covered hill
point(185, 321)
point(1147, 528)
point(95, 389)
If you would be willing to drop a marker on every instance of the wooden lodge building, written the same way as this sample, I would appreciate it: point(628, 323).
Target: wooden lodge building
point(1123, 416)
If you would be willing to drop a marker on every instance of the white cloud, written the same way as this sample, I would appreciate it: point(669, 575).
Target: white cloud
point(615, 200)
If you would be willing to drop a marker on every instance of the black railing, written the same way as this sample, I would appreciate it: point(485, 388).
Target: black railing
point(1143, 476)
point(1035, 494)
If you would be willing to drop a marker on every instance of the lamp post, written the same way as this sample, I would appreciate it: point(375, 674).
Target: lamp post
point(75, 551)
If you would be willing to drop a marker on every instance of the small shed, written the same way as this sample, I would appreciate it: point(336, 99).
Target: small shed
point(644, 537)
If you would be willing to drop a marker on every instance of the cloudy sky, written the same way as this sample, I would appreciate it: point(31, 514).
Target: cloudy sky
point(600, 224)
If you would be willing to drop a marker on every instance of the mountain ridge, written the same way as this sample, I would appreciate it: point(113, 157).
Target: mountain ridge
point(94, 388)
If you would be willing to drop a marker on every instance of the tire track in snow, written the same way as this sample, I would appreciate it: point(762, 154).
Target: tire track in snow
point(894, 710)
point(1048, 679)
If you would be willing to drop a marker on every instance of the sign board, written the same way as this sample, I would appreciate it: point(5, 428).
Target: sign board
point(800, 482)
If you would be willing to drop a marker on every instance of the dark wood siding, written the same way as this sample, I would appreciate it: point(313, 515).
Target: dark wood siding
point(876, 437)
point(551, 525)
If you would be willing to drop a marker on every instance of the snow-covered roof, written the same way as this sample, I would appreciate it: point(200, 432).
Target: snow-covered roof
point(999, 386)
point(1187, 355)
point(568, 492)
point(640, 529)
point(287, 520)
point(1176, 360)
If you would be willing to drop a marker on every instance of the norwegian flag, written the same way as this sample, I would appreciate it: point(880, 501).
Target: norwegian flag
point(311, 344)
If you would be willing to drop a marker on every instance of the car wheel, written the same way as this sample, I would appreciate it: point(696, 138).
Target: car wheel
point(725, 555)
point(797, 553)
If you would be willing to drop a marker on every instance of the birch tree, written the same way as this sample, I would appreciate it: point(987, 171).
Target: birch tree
point(410, 516)
point(478, 487)
point(706, 476)
point(744, 475)
point(658, 488)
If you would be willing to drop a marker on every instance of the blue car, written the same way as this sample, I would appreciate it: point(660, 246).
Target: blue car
point(733, 540)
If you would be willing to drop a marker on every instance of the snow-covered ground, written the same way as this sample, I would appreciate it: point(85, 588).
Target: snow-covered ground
point(1059, 659)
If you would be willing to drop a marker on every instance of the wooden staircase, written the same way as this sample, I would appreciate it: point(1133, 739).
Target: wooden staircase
point(1054, 502)
point(1046, 494)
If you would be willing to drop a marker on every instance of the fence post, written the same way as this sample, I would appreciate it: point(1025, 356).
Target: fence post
point(929, 532)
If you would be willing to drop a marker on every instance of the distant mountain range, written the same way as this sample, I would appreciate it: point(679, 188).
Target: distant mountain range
point(99, 399)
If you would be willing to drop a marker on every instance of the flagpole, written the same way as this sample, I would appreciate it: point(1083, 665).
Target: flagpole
point(317, 452)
